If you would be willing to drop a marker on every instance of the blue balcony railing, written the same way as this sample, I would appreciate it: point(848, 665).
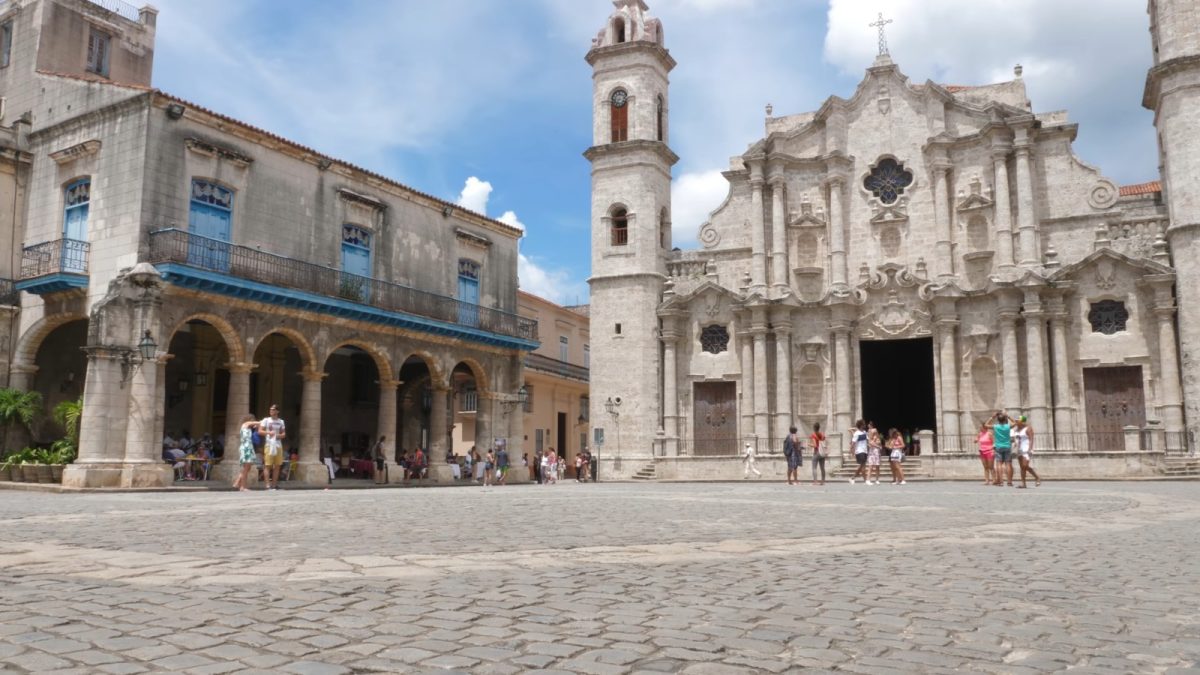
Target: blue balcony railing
point(224, 258)
point(63, 256)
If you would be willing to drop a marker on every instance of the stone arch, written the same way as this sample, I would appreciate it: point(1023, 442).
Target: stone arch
point(31, 341)
point(478, 372)
point(386, 373)
point(438, 374)
point(307, 354)
point(233, 341)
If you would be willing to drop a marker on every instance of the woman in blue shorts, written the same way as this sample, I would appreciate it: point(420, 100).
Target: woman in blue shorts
point(1002, 446)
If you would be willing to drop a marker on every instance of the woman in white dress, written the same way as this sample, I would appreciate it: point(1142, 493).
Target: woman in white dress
point(1023, 440)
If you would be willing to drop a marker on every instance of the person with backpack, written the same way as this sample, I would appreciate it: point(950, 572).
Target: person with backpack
point(858, 445)
point(792, 453)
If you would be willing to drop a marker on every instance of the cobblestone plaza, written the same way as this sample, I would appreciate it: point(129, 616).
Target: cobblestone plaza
point(607, 578)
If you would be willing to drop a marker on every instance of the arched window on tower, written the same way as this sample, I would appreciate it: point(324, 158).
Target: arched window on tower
point(659, 118)
point(620, 227)
point(618, 30)
point(619, 112)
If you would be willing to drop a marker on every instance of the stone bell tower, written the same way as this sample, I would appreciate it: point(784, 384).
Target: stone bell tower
point(631, 231)
point(1173, 93)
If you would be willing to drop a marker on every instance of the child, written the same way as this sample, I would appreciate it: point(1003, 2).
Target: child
point(896, 458)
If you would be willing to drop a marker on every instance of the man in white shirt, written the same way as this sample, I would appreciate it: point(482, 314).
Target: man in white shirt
point(273, 431)
point(748, 460)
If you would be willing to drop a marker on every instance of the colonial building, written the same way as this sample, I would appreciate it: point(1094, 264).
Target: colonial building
point(181, 269)
point(919, 254)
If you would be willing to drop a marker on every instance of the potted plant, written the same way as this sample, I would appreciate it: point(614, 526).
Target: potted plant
point(63, 451)
point(22, 465)
point(17, 407)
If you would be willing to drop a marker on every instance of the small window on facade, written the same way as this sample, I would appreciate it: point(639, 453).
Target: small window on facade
point(99, 45)
point(1108, 317)
point(585, 404)
point(587, 356)
point(714, 339)
point(618, 30)
point(888, 180)
point(468, 292)
point(619, 112)
point(77, 200)
point(618, 329)
point(6, 36)
point(529, 400)
point(658, 115)
point(664, 229)
point(620, 227)
point(564, 349)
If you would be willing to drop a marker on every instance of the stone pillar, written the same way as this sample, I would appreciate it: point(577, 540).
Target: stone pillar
point(386, 426)
point(784, 415)
point(21, 376)
point(779, 263)
point(1171, 396)
point(143, 451)
point(758, 247)
point(837, 234)
point(947, 325)
point(311, 468)
point(1035, 363)
point(103, 424)
point(943, 249)
point(1026, 218)
point(843, 411)
point(1008, 359)
point(670, 384)
point(1004, 239)
point(746, 340)
point(1064, 411)
point(485, 408)
point(762, 424)
point(438, 424)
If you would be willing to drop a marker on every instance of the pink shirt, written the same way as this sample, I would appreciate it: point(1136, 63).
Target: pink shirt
point(985, 443)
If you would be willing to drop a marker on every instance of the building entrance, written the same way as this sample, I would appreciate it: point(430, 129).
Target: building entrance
point(897, 384)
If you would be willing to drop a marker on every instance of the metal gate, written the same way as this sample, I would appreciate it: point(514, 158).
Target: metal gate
point(1114, 399)
point(715, 416)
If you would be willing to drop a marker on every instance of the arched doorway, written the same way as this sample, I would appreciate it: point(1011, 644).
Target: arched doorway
point(276, 380)
point(350, 409)
point(415, 402)
point(196, 384)
point(467, 406)
point(61, 370)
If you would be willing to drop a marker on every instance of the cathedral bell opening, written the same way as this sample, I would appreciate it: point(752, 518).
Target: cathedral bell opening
point(897, 384)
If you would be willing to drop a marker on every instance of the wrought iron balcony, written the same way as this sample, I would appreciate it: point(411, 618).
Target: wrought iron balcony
point(8, 293)
point(54, 266)
point(546, 364)
point(217, 261)
point(123, 9)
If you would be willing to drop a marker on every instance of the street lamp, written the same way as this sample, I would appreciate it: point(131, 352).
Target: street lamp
point(132, 359)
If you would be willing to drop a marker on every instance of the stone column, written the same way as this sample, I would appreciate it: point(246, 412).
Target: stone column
point(943, 249)
point(670, 384)
point(143, 451)
point(310, 428)
point(784, 415)
point(762, 423)
point(237, 406)
point(758, 246)
point(438, 423)
point(746, 341)
point(779, 264)
point(1035, 363)
point(1026, 218)
point(102, 427)
point(484, 411)
point(947, 325)
point(837, 234)
point(21, 376)
point(1004, 239)
point(1008, 356)
point(843, 411)
point(1171, 397)
point(1064, 411)
point(386, 426)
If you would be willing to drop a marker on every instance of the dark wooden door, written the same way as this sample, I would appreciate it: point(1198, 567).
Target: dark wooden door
point(1114, 399)
point(715, 415)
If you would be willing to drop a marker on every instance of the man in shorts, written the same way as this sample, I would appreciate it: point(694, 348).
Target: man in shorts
point(858, 443)
point(273, 431)
point(501, 465)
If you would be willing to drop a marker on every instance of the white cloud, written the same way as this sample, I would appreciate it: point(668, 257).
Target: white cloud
point(556, 285)
point(475, 194)
point(510, 218)
point(693, 197)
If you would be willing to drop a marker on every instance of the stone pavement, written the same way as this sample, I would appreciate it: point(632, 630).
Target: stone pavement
point(607, 578)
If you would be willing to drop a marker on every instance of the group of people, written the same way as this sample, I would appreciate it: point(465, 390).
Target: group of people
point(202, 452)
point(868, 445)
point(1000, 437)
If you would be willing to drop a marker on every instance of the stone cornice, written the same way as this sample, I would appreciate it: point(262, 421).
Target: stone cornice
point(626, 147)
point(653, 48)
point(1156, 74)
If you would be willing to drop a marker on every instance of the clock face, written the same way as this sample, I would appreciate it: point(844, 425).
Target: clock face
point(619, 97)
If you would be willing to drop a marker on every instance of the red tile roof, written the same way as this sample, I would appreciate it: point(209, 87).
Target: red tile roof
point(1141, 189)
point(955, 88)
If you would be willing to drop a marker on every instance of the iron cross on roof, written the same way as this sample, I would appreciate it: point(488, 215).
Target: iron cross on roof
point(880, 24)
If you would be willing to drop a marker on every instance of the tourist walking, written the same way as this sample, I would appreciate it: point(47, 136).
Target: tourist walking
point(501, 465)
point(858, 445)
point(874, 450)
point(791, 452)
point(1002, 447)
point(820, 451)
point(380, 461)
point(987, 454)
point(273, 431)
point(245, 451)
point(327, 460)
point(895, 445)
point(1024, 447)
point(748, 462)
point(489, 465)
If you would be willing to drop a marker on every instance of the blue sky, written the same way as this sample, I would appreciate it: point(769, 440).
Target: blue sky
point(435, 93)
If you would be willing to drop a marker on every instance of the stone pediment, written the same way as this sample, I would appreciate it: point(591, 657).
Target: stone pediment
point(807, 216)
point(706, 294)
point(978, 199)
point(1107, 258)
point(897, 301)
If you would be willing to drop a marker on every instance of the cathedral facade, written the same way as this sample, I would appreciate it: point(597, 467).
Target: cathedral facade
point(918, 254)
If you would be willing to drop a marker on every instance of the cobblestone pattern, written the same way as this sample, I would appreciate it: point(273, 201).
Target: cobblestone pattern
point(630, 578)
